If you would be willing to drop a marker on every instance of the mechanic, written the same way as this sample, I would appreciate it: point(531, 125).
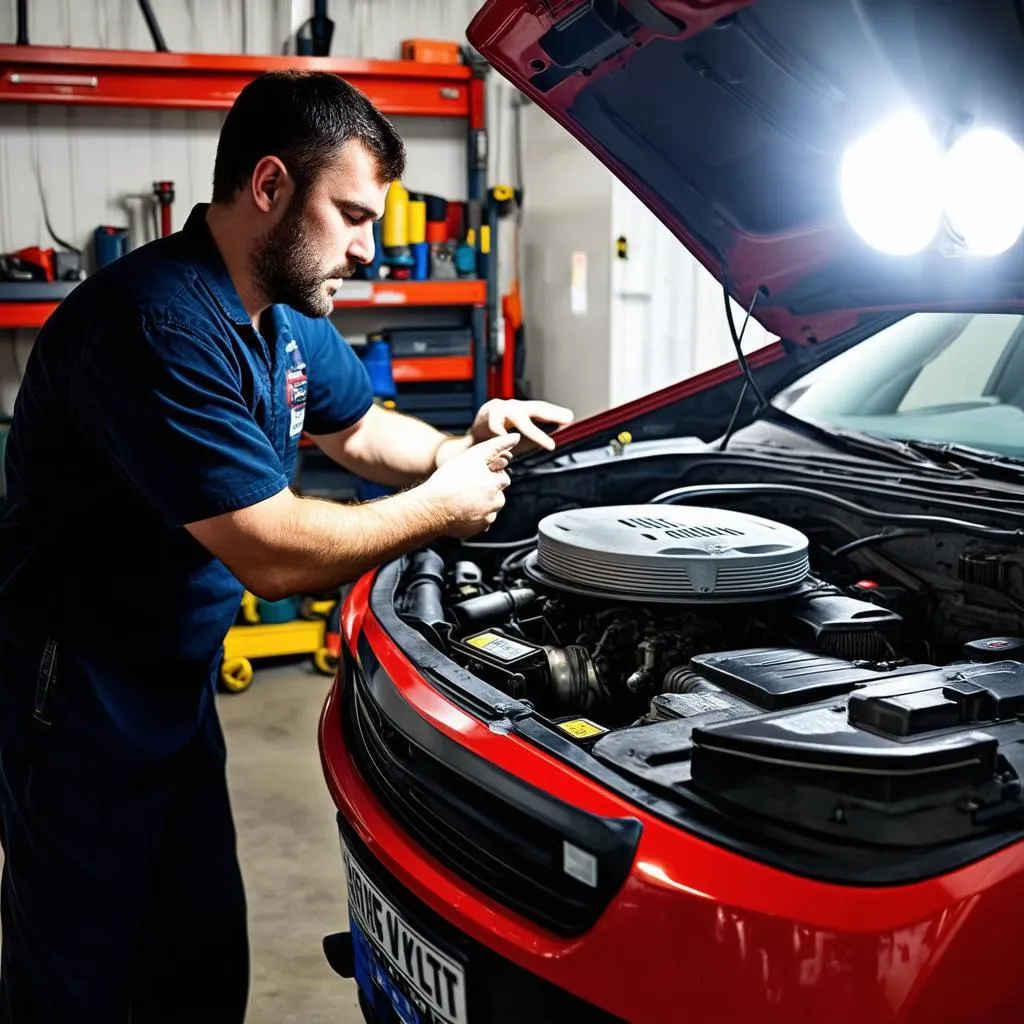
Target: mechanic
point(148, 469)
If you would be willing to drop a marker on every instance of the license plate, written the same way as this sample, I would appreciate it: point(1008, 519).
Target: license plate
point(422, 983)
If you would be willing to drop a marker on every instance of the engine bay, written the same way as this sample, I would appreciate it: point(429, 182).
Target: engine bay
point(700, 653)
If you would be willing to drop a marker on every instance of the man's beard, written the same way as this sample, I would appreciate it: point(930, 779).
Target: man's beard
point(286, 270)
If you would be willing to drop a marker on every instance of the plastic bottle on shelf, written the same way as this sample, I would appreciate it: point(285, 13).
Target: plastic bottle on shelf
point(396, 218)
point(376, 358)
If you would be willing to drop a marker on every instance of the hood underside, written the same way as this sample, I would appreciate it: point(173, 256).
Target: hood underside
point(730, 119)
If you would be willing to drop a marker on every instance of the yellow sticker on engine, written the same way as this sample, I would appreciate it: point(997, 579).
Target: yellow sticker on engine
point(581, 728)
point(501, 647)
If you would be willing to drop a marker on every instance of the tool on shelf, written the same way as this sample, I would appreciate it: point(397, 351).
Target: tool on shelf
point(163, 192)
point(22, 23)
point(37, 274)
point(313, 39)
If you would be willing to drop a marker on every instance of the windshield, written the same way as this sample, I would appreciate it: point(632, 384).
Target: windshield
point(946, 377)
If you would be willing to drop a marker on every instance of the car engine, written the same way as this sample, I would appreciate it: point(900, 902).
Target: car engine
point(603, 615)
point(694, 650)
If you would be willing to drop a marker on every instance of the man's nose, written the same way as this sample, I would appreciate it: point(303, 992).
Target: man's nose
point(361, 247)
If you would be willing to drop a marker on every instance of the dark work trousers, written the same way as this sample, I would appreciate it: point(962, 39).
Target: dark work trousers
point(121, 898)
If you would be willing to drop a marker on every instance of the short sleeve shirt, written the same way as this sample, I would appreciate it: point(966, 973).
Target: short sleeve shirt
point(150, 401)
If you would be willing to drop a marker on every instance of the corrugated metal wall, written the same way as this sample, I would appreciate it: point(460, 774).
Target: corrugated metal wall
point(86, 161)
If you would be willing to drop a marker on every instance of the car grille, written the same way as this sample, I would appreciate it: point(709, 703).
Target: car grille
point(503, 836)
point(498, 991)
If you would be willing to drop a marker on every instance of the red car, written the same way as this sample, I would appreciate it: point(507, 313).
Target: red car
point(724, 723)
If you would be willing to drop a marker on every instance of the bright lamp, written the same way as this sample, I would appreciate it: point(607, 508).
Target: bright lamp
point(889, 184)
point(983, 191)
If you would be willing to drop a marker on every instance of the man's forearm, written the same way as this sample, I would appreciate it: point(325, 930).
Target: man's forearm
point(319, 545)
point(393, 449)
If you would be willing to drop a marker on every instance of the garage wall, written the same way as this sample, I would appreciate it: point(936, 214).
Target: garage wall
point(86, 161)
point(603, 329)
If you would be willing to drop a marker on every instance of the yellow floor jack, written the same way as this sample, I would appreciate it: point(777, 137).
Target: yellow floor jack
point(313, 631)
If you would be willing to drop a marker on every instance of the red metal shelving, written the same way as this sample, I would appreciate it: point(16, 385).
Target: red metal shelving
point(136, 78)
point(366, 294)
point(424, 369)
point(354, 295)
point(25, 314)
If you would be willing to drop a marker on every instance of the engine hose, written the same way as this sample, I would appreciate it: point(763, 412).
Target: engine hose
point(423, 592)
point(490, 609)
point(682, 495)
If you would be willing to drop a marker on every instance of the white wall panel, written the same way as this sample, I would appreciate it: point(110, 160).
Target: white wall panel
point(85, 161)
point(652, 318)
point(567, 225)
point(668, 313)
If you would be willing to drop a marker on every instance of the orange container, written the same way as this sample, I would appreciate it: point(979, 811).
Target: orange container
point(431, 51)
point(437, 231)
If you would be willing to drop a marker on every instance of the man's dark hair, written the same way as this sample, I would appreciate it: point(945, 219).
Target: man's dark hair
point(303, 118)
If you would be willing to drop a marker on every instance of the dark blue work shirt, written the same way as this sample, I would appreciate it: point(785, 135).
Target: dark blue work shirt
point(149, 402)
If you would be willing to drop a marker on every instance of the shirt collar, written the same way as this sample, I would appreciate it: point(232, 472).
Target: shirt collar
point(211, 267)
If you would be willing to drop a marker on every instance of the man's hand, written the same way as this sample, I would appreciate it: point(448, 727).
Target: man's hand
point(470, 486)
point(498, 416)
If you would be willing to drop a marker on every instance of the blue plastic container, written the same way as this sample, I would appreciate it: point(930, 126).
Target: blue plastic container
point(276, 612)
point(377, 360)
point(376, 356)
point(420, 260)
point(109, 244)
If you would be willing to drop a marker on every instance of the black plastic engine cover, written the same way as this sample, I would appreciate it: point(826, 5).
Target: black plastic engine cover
point(910, 757)
point(817, 772)
point(933, 699)
point(785, 677)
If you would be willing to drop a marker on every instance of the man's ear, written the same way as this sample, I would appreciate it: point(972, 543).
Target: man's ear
point(272, 185)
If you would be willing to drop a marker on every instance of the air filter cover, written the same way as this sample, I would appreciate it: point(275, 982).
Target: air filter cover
point(669, 554)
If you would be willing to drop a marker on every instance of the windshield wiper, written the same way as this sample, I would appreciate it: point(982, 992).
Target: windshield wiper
point(854, 442)
point(944, 456)
point(952, 454)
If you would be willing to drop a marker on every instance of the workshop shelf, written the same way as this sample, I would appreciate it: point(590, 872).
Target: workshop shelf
point(25, 314)
point(424, 369)
point(198, 81)
point(364, 294)
point(80, 77)
point(355, 295)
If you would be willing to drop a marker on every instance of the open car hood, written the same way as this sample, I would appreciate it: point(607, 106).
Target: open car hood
point(729, 119)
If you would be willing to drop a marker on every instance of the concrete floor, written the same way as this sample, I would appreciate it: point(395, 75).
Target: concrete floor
point(288, 846)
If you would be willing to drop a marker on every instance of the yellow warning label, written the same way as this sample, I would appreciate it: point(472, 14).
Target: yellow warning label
point(581, 728)
point(502, 647)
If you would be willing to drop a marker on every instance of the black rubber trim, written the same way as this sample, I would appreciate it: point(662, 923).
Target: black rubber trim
point(500, 833)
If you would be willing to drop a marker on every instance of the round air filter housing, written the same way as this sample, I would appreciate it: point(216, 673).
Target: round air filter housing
point(669, 554)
